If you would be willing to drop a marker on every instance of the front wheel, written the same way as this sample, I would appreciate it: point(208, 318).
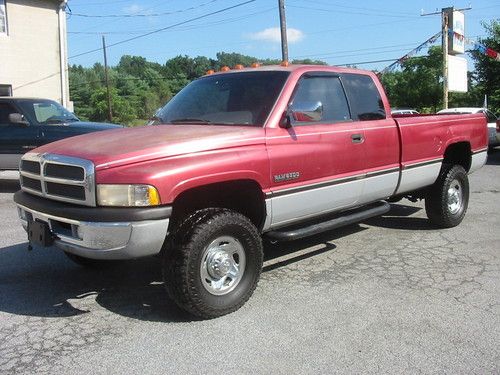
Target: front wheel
point(447, 200)
point(213, 262)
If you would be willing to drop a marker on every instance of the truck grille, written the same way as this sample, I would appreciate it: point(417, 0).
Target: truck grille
point(58, 177)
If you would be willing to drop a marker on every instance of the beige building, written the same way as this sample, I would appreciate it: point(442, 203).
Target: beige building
point(33, 49)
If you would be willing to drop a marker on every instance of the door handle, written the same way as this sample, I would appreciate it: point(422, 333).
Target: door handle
point(357, 138)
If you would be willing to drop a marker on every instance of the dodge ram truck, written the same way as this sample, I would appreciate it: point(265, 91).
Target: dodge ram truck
point(27, 123)
point(238, 156)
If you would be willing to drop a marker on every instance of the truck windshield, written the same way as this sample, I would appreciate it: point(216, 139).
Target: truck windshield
point(243, 98)
point(47, 112)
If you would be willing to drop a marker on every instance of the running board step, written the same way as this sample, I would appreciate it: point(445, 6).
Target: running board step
point(346, 218)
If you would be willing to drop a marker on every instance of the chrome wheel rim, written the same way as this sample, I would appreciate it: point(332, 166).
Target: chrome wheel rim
point(222, 265)
point(454, 197)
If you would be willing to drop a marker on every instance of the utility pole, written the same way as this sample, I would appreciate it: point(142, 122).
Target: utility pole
point(284, 41)
point(444, 38)
point(110, 109)
point(444, 15)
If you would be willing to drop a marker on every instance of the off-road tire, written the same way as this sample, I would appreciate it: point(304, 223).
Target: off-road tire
point(184, 257)
point(437, 201)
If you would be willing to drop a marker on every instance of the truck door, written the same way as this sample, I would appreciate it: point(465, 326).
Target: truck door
point(317, 164)
point(15, 138)
point(381, 139)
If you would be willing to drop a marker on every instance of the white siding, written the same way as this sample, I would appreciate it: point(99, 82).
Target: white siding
point(30, 53)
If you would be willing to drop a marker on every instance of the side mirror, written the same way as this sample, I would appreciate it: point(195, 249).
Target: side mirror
point(306, 111)
point(17, 118)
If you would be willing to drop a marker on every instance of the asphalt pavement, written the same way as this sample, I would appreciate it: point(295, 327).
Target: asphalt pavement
point(389, 295)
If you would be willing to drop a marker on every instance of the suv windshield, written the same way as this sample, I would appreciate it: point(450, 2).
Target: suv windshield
point(244, 98)
point(47, 112)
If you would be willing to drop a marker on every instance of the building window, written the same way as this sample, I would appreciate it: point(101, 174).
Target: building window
point(5, 90)
point(3, 17)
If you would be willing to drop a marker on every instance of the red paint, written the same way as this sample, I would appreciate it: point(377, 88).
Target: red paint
point(175, 158)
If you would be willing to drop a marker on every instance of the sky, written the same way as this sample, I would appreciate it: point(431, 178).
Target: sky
point(338, 32)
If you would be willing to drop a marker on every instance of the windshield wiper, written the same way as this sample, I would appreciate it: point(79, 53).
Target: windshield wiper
point(190, 120)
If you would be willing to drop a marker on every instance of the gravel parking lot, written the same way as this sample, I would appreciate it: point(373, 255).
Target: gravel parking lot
point(389, 295)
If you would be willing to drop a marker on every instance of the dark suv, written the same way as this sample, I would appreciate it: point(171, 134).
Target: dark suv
point(26, 123)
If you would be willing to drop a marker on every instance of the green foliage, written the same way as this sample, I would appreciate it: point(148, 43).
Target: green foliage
point(123, 112)
point(487, 70)
point(140, 87)
point(308, 62)
point(418, 84)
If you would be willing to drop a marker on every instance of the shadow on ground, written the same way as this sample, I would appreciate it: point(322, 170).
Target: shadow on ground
point(44, 283)
point(399, 217)
point(9, 186)
point(494, 157)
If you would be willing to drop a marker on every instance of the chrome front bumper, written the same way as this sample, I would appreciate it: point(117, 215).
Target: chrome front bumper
point(102, 240)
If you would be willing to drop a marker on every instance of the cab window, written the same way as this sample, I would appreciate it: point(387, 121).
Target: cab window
point(319, 99)
point(364, 97)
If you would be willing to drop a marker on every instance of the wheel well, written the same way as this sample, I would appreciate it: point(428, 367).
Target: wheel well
point(458, 154)
point(243, 196)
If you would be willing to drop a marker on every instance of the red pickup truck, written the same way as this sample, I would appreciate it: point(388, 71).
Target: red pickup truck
point(270, 152)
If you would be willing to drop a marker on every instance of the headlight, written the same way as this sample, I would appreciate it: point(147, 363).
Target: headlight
point(127, 195)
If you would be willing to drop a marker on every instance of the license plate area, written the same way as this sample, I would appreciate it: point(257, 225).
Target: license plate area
point(39, 233)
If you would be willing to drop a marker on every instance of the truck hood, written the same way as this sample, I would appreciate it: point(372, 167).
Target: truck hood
point(118, 147)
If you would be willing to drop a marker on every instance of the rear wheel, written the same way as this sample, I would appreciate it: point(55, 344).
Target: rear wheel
point(214, 262)
point(447, 200)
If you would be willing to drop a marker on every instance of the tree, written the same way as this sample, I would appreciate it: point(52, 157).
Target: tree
point(487, 74)
point(418, 84)
point(139, 87)
point(122, 110)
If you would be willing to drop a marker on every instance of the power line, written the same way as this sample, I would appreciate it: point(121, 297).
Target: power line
point(108, 22)
point(139, 36)
point(348, 12)
point(376, 61)
point(107, 2)
point(166, 28)
point(356, 50)
point(142, 14)
point(341, 5)
point(185, 28)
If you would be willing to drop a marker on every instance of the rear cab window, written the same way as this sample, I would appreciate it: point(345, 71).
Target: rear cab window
point(364, 98)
